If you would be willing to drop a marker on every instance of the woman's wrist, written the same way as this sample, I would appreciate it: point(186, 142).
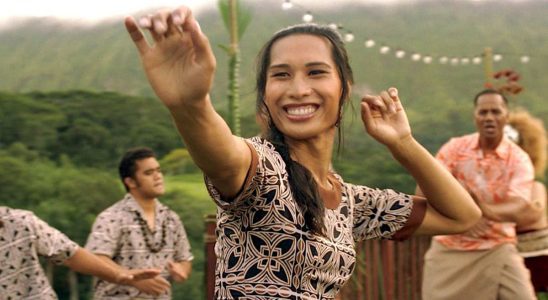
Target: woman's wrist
point(403, 147)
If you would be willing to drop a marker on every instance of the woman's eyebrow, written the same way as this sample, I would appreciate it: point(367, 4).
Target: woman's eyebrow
point(318, 63)
point(310, 64)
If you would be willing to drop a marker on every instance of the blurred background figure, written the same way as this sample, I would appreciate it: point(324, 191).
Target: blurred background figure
point(530, 134)
point(24, 238)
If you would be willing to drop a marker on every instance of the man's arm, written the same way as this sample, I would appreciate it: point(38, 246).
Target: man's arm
point(153, 285)
point(518, 207)
point(515, 209)
point(523, 212)
point(180, 271)
point(180, 265)
point(537, 210)
point(85, 262)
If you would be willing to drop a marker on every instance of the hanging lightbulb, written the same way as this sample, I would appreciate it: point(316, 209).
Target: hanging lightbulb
point(333, 26)
point(525, 59)
point(454, 61)
point(416, 57)
point(444, 60)
point(369, 43)
point(349, 37)
point(308, 17)
point(465, 60)
point(400, 54)
point(287, 5)
point(497, 57)
point(476, 60)
point(427, 59)
point(384, 49)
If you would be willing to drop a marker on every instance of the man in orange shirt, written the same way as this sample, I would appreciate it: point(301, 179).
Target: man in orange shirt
point(483, 263)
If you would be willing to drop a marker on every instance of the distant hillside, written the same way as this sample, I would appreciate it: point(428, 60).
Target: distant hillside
point(46, 55)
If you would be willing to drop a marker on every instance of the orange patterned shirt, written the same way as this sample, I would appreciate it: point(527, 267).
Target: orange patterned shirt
point(493, 178)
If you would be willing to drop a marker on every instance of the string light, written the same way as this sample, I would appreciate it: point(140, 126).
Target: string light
point(349, 37)
point(287, 5)
point(369, 43)
point(401, 53)
point(308, 17)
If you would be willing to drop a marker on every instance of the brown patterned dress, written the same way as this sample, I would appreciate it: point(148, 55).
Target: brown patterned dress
point(264, 250)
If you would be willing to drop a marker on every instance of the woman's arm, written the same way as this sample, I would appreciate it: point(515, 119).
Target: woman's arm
point(180, 67)
point(450, 208)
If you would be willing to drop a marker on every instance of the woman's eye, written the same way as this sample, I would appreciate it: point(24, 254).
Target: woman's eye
point(280, 74)
point(317, 72)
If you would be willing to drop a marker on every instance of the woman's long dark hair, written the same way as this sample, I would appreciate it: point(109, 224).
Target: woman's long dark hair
point(302, 184)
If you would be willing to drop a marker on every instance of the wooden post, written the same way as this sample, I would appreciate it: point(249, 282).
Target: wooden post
point(389, 274)
point(210, 258)
point(488, 66)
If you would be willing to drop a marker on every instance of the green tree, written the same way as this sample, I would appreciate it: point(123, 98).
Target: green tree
point(178, 162)
point(31, 122)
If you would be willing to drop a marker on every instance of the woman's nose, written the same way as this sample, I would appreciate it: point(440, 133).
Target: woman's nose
point(300, 87)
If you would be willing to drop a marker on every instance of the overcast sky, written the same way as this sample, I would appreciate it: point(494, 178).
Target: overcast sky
point(93, 10)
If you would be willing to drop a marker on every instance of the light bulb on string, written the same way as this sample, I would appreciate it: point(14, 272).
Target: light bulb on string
point(308, 17)
point(369, 43)
point(384, 49)
point(287, 5)
point(465, 60)
point(349, 37)
point(333, 26)
point(497, 57)
point(427, 59)
point(455, 61)
point(524, 59)
point(416, 57)
point(476, 60)
point(400, 54)
point(444, 60)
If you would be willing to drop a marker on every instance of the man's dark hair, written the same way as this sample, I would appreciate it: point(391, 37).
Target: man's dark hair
point(489, 92)
point(128, 165)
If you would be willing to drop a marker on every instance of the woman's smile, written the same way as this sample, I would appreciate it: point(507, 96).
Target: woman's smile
point(300, 112)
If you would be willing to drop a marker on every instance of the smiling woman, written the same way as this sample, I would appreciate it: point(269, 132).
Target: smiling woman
point(287, 222)
point(290, 82)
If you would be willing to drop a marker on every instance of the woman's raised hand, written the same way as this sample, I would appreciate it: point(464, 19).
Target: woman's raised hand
point(384, 117)
point(179, 63)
